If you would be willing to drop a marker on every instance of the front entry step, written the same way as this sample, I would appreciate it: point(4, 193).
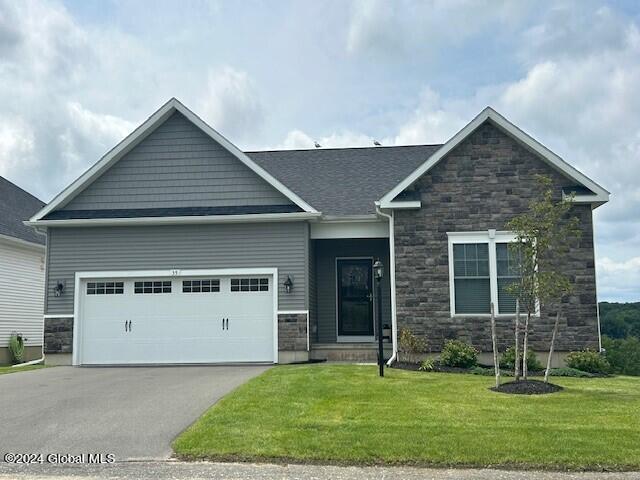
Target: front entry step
point(348, 352)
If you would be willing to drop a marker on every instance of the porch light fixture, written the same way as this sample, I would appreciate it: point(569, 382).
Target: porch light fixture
point(58, 289)
point(378, 272)
point(288, 284)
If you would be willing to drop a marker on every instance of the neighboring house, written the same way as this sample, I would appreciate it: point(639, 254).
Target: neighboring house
point(22, 267)
point(177, 247)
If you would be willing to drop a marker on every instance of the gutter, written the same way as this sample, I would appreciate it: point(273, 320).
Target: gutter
point(392, 278)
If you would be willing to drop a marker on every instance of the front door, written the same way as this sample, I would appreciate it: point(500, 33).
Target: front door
point(355, 299)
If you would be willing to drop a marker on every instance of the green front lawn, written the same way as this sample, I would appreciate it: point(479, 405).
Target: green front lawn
point(9, 369)
point(346, 414)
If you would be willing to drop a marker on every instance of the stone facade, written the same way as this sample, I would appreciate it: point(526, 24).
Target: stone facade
point(58, 335)
point(481, 185)
point(292, 332)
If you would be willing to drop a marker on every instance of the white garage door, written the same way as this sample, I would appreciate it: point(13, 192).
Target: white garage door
point(195, 319)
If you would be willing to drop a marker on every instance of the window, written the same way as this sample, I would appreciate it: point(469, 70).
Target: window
point(152, 286)
point(249, 284)
point(471, 277)
point(507, 274)
point(105, 288)
point(481, 267)
point(198, 286)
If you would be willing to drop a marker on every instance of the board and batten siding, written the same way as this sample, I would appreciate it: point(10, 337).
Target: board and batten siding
point(326, 252)
point(163, 247)
point(177, 165)
point(22, 272)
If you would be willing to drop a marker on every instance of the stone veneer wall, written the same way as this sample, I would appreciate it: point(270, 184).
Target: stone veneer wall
point(58, 335)
point(481, 185)
point(292, 332)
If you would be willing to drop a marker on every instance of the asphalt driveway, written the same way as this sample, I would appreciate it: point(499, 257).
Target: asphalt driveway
point(133, 413)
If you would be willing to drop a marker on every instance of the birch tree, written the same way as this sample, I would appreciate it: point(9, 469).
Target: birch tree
point(544, 234)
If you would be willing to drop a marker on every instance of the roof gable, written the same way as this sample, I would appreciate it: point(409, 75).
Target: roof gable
point(488, 114)
point(172, 107)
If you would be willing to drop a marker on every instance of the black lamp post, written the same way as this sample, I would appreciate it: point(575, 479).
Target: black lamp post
point(378, 272)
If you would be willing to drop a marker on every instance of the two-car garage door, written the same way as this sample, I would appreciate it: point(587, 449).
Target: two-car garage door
point(176, 319)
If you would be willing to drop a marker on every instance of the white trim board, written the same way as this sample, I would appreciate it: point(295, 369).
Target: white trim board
point(139, 134)
point(22, 243)
point(358, 229)
point(176, 273)
point(253, 218)
point(601, 195)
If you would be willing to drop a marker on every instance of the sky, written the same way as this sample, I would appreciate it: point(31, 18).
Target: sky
point(78, 76)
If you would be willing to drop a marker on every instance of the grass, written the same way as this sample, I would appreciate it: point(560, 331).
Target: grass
point(9, 369)
point(345, 414)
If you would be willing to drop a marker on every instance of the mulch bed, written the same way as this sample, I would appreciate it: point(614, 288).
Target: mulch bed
point(414, 367)
point(529, 387)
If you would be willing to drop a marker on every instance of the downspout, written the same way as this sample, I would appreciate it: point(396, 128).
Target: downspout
point(392, 281)
point(595, 275)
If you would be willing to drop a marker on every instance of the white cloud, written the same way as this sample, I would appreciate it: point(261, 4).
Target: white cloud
point(618, 280)
point(409, 27)
point(231, 103)
point(16, 145)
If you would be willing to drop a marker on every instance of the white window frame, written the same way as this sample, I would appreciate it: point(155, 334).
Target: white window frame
point(490, 237)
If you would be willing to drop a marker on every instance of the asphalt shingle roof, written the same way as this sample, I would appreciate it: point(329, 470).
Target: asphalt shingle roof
point(16, 205)
point(343, 181)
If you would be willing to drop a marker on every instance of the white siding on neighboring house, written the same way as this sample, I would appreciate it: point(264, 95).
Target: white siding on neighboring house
point(21, 292)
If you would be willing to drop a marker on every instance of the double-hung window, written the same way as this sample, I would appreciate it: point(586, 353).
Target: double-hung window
point(481, 268)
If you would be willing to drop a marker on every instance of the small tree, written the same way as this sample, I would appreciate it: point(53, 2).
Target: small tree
point(543, 235)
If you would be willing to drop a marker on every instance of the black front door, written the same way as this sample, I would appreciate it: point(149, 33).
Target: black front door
point(355, 297)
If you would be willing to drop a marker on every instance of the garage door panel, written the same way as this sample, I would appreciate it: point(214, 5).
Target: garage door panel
point(134, 327)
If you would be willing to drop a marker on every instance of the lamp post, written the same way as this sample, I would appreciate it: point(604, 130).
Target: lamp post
point(378, 271)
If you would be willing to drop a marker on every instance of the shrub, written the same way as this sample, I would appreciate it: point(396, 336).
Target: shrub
point(507, 360)
point(16, 347)
point(427, 365)
point(623, 355)
point(456, 353)
point(487, 372)
point(411, 346)
point(569, 372)
point(588, 361)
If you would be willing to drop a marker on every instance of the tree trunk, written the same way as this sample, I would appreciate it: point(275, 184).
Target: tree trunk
point(516, 363)
point(495, 345)
point(525, 347)
point(553, 341)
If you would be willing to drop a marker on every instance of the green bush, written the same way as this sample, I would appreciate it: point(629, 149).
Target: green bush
point(16, 347)
point(487, 372)
point(427, 365)
point(457, 353)
point(588, 361)
point(623, 355)
point(508, 360)
point(569, 372)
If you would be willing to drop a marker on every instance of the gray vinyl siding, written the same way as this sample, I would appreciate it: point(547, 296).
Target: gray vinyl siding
point(281, 245)
point(313, 304)
point(326, 252)
point(177, 165)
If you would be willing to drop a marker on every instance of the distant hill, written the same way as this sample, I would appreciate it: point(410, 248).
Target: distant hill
point(620, 320)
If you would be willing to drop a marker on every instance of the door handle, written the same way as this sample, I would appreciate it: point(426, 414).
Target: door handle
point(125, 326)
point(227, 324)
point(129, 325)
point(223, 323)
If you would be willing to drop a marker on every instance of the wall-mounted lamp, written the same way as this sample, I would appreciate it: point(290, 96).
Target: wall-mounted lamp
point(59, 288)
point(288, 284)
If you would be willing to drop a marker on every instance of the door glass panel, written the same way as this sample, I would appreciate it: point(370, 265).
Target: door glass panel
point(355, 298)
